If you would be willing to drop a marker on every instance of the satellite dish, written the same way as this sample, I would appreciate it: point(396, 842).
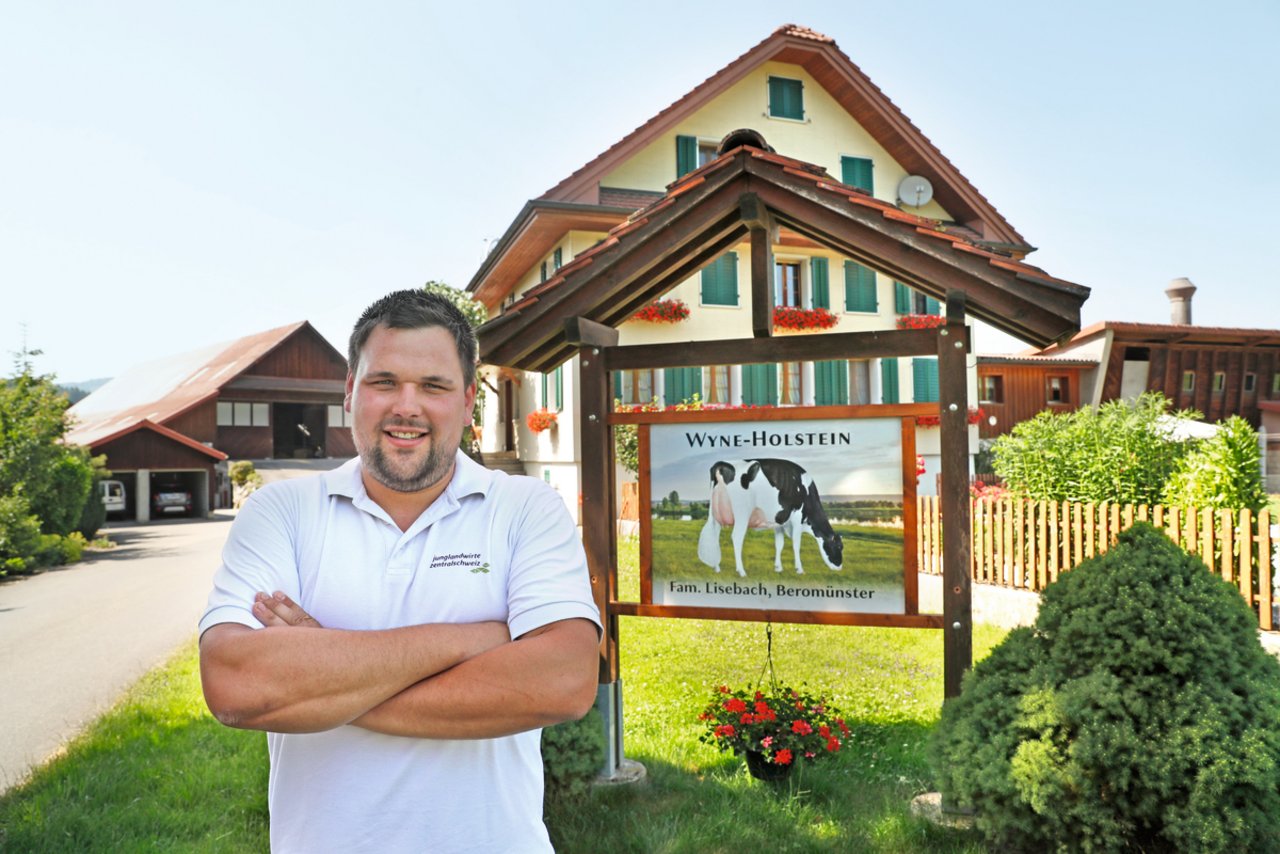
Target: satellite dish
point(915, 191)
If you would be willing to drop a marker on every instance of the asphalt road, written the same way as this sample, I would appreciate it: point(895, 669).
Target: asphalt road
point(73, 639)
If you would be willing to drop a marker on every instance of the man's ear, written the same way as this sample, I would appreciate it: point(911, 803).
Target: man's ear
point(470, 398)
point(350, 386)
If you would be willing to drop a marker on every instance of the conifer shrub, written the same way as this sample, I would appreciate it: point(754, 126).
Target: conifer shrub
point(1139, 713)
point(572, 756)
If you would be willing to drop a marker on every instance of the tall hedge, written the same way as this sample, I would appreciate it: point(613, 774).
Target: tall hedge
point(1140, 713)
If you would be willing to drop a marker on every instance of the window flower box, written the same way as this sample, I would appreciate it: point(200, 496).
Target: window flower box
point(802, 319)
point(976, 415)
point(663, 311)
point(921, 321)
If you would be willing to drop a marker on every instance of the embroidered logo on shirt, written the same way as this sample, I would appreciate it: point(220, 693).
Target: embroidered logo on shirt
point(465, 560)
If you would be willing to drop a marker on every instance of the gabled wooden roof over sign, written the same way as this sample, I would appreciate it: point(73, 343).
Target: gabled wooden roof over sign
point(709, 211)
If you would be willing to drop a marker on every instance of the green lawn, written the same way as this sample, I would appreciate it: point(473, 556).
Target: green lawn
point(157, 773)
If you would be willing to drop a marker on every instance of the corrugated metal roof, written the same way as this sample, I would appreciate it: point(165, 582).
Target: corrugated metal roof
point(163, 389)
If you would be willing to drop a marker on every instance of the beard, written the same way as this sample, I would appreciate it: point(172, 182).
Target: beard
point(405, 475)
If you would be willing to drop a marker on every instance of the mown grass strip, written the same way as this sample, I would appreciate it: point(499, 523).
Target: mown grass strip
point(157, 773)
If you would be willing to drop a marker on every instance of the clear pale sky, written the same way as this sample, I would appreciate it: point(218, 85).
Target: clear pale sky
point(174, 175)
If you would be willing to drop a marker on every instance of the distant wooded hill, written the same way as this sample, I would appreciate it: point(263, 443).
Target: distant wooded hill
point(78, 391)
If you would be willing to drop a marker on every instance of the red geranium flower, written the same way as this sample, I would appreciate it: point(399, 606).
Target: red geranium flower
point(782, 757)
point(725, 731)
point(735, 705)
point(801, 727)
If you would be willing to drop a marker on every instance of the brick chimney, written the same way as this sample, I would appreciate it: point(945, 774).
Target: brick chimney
point(1179, 293)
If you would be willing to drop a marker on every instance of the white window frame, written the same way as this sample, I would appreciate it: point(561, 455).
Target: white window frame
point(802, 280)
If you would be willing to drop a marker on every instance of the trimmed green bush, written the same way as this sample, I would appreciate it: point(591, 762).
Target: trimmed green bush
point(572, 756)
point(1141, 713)
point(242, 472)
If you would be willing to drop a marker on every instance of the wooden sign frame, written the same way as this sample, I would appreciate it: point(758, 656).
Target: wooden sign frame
point(905, 413)
point(600, 354)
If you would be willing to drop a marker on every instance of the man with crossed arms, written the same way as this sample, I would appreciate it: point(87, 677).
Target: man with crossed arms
point(403, 625)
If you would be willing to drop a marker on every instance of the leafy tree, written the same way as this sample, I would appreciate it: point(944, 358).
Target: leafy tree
point(1222, 471)
point(54, 478)
point(1120, 452)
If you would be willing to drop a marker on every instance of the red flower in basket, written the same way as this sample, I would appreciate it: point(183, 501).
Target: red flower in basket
point(663, 311)
point(540, 419)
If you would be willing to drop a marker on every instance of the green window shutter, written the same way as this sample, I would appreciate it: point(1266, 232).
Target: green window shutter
point(617, 386)
point(543, 398)
point(558, 376)
point(760, 385)
point(889, 380)
point(859, 287)
point(686, 154)
point(681, 384)
point(720, 281)
point(924, 376)
point(786, 98)
point(831, 383)
point(821, 288)
point(901, 298)
point(856, 172)
point(556, 259)
point(932, 306)
point(544, 271)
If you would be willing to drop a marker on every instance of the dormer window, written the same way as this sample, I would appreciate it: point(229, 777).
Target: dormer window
point(786, 98)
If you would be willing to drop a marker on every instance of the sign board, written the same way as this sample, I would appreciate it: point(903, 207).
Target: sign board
point(744, 511)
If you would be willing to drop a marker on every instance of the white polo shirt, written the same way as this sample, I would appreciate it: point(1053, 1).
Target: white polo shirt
point(491, 547)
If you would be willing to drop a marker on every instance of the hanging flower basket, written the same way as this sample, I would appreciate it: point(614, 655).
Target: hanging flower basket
point(921, 321)
point(540, 419)
point(803, 319)
point(663, 311)
point(773, 726)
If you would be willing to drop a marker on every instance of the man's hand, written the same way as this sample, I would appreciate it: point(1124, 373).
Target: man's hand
point(279, 610)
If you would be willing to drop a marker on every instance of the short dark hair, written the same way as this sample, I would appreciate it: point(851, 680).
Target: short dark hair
point(416, 309)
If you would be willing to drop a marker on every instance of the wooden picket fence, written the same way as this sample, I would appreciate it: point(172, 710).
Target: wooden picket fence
point(1025, 544)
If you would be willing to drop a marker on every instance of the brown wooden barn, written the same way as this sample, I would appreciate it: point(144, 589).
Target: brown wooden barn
point(173, 422)
point(1012, 389)
point(1218, 371)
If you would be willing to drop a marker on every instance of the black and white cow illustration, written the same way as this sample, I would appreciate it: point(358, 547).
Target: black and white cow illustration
point(763, 494)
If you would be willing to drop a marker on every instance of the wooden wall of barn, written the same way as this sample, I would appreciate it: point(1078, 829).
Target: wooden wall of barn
point(1168, 363)
point(146, 449)
point(338, 442)
point(245, 443)
point(1025, 394)
point(305, 355)
point(199, 423)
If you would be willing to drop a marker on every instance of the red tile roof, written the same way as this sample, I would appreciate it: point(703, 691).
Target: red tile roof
point(1170, 332)
point(800, 45)
point(159, 391)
